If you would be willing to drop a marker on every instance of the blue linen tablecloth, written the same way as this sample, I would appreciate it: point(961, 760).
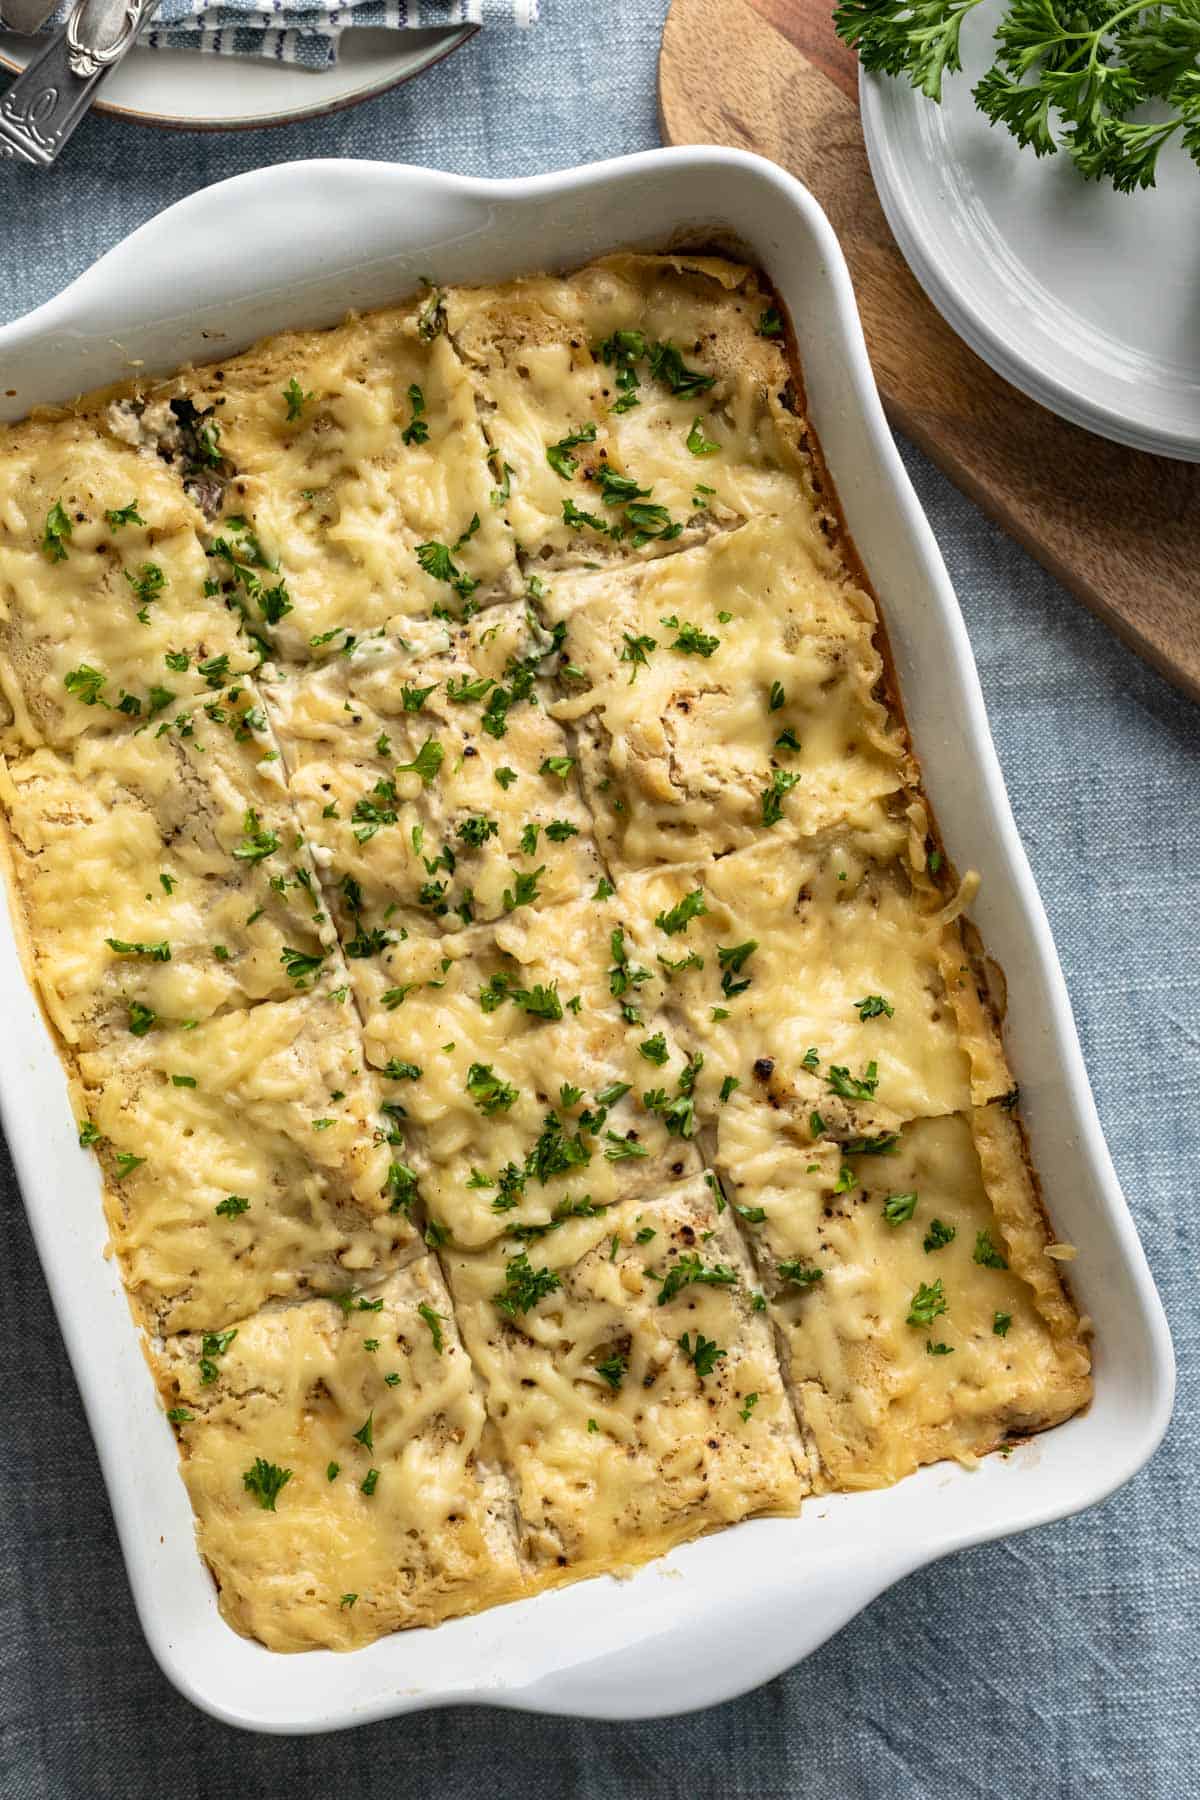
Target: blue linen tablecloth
point(1059, 1665)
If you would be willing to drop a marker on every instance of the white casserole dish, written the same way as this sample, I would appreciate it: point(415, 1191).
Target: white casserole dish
point(299, 245)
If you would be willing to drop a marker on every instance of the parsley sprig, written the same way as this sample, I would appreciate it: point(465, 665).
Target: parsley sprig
point(1063, 77)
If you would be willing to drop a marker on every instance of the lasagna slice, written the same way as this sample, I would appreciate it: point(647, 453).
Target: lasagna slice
point(821, 973)
point(161, 873)
point(722, 693)
point(431, 781)
point(104, 617)
point(913, 1284)
point(638, 405)
point(245, 1160)
point(335, 1456)
point(348, 478)
point(631, 1381)
point(529, 1075)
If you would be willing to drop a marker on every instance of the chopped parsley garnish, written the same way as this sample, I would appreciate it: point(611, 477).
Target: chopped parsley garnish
point(127, 1163)
point(559, 830)
point(415, 698)
point(256, 843)
point(401, 1186)
point(89, 1134)
point(369, 1482)
point(505, 777)
point(524, 1286)
point(636, 652)
point(772, 797)
point(434, 1322)
point(180, 1415)
point(155, 952)
point(899, 1208)
point(266, 1481)
point(770, 323)
point(524, 890)
point(654, 1049)
point(799, 1274)
point(572, 515)
point(365, 1435)
point(689, 1271)
point(231, 1206)
point(732, 958)
point(986, 1253)
point(927, 1304)
point(557, 765)
point(559, 455)
point(623, 978)
point(147, 582)
point(697, 443)
point(418, 431)
point(613, 1369)
point(437, 562)
point(874, 1006)
point(58, 530)
point(468, 689)
point(692, 906)
point(425, 763)
point(488, 1091)
point(690, 638)
point(939, 1235)
point(667, 365)
point(728, 1086)
point(703, 1355)
point(295, 399)
point(212, 1345)
point(300, 965)
point(840, 1081)
point(141, 1018)
point(939, 1349)
point(124, 515)
point(1000, 1323)
point(85, 684)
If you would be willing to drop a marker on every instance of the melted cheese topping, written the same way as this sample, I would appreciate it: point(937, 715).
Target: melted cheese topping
point(270, 1104)
point(619, 1444)
point(470, 1013)
point(794, 935)
point(535, 348)
point(409, 859)
point(338, 499)
point(81, 611)
point(935, 1335)
point(333, 1564)
point(180, 848)
point(502, 803)
point(709, 672)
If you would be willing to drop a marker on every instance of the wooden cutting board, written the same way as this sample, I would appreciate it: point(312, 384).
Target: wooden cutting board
point(1120, 528)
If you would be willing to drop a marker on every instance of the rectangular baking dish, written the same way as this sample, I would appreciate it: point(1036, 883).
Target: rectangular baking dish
point(299, 245)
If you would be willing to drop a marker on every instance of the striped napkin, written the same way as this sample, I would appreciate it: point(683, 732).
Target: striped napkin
point(306, 33)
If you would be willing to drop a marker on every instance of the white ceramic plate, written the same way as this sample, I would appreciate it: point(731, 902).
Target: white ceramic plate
point(721, 1615)
point(1083, 298)
point(196, 92)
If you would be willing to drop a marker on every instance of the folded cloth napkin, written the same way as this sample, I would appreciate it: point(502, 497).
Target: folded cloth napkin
point(304, 32)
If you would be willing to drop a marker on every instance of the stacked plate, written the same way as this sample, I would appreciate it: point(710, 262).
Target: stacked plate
point(1085, 299)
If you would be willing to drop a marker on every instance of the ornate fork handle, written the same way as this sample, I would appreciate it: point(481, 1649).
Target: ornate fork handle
point(48, 99)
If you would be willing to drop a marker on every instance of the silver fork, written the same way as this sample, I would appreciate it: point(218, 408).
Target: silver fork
point(48, 99)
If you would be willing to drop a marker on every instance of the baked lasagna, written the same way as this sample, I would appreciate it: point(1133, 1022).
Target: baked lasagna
point(550, 1099)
